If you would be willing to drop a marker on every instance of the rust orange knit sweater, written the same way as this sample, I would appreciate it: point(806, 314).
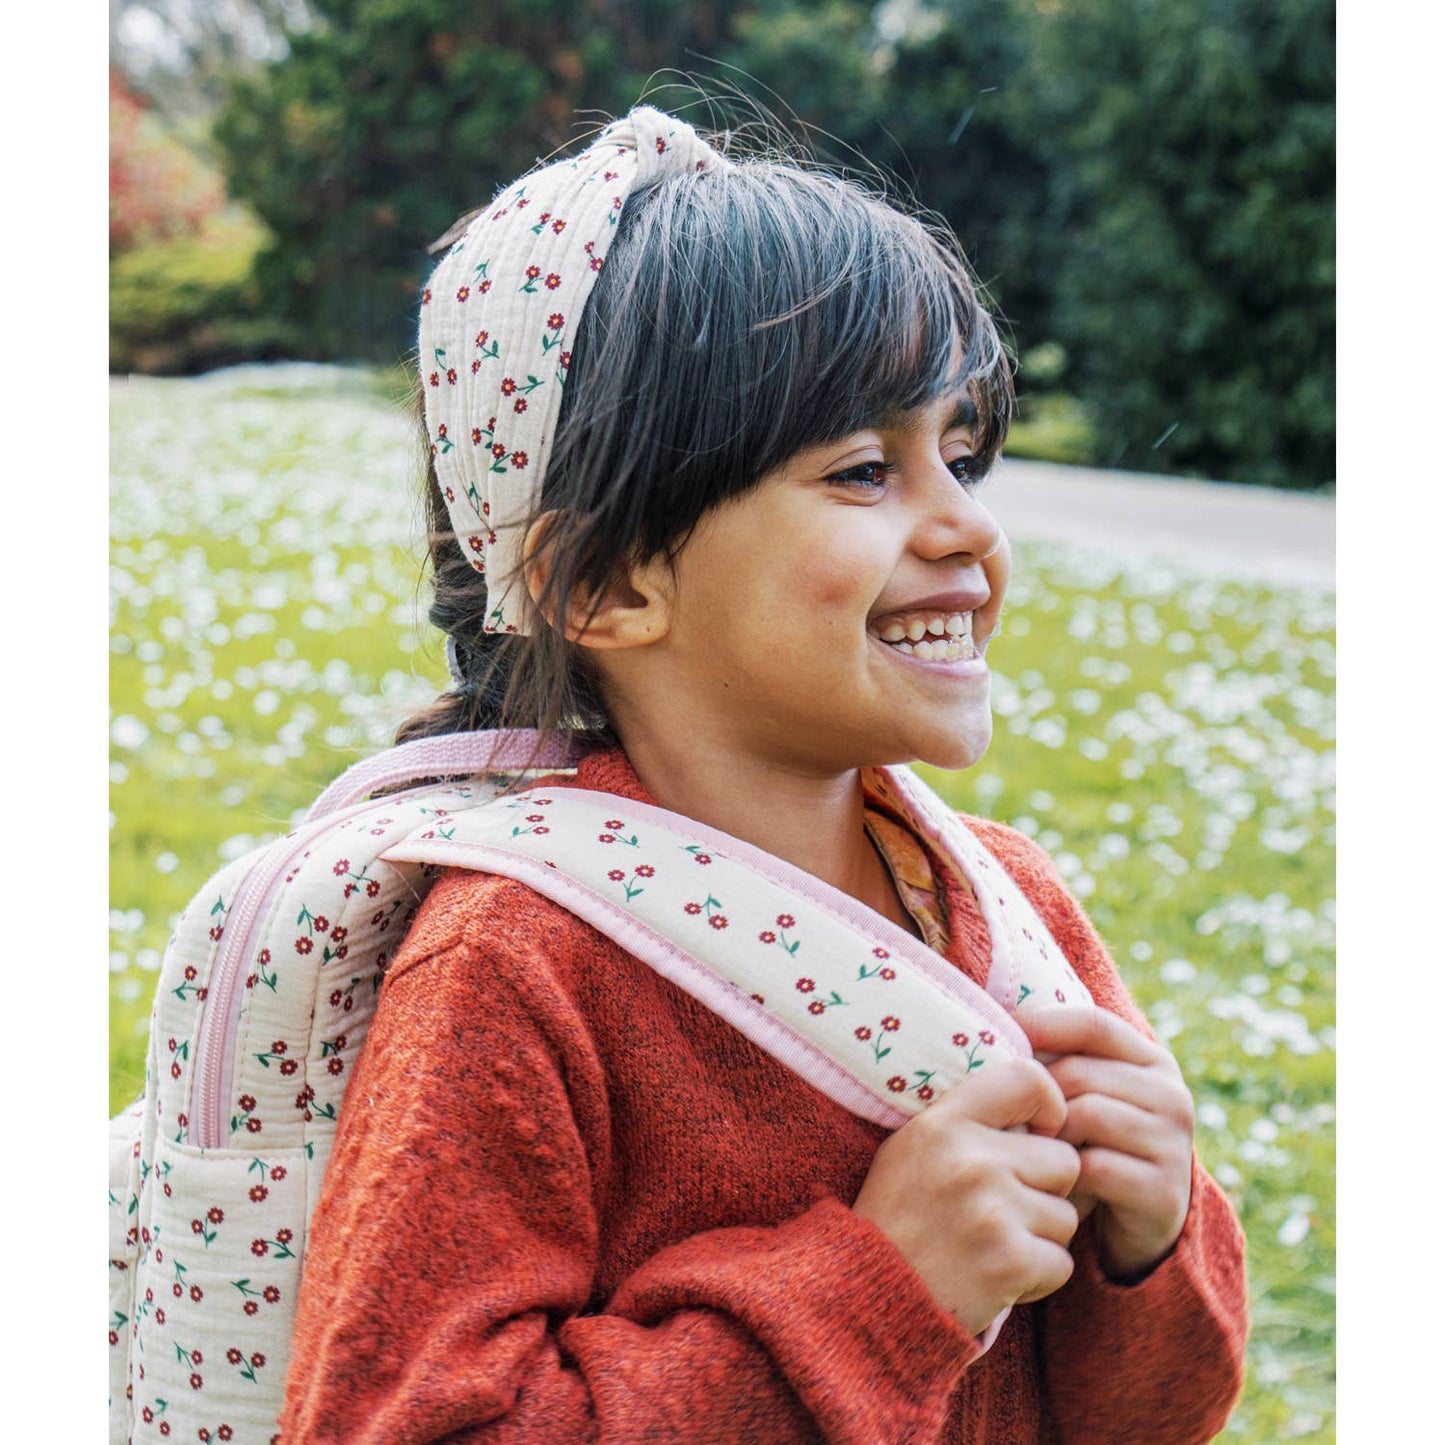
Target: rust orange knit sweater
point(568, 1203)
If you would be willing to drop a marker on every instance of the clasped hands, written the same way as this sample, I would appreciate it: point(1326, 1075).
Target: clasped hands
point(983, 1192)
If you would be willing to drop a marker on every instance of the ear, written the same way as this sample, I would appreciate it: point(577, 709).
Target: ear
point(634, 611)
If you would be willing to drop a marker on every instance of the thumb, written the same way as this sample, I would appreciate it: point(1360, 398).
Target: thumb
point(1009, 1094)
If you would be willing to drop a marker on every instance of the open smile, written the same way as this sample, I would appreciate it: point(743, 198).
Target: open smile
point(931, 633)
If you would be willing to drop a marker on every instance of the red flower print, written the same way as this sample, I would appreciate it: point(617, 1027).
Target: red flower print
point(475, 543)
point(890, 1025)
point(283, 1236)
point(555, 321)
point(498, 450)
point(258, 1193)
point(508, 386)
point(718, 920)
point(338, 933)
point(441, 432)
point(463, 292)
point(886, 973)
point(553, 281)
point(251, 1308)
point(606, 837)
point(519, 460)
point(535, 817)
point(160, 1315)
point(257, 1360)
point(146, 1414)
point(703, 858)
point(519, 406)
point(223, 1432)
point(278, 1046)
point(925, 1092)
point(558, 227)
point(756, 998)
point(661, 146)
point(767, 937)
point(334, 1065)
point(614, 823)
point(196, 1358)
point(880, 953)
point(259, 1247)
point(483, 287)
point(320, 924)
point(271, 1293)
point(341, 867)
point(1059, 994)
point(616, 874)
point(452, 375)
point(289, 1066)
point(303, 944)
point(178, 1289)
point(476, 438)
point(864, 1033)
point(476, 367)
point(175, 1071)
point(196, 1382)
point(693, 908)
point(805, 985)
point(426, 296)
point(264, 957)
point(278, 1171)
point(540, 829)
point(434, 379)
point(164, 1427)
point(817, 1006)
point(898, 1083)
point(373, 887)
point(190, 972)
point(785, 920)
point(253, 1126)
point(203, 1433)
point(961, 1040)
point(596, 263)
point(533, 272)
point(216, 1214)
point(565, 360)
point(233, 1356)
point(984, 1036)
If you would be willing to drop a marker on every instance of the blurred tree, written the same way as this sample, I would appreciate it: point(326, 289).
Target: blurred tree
point(386, 120)
point(1189, 237)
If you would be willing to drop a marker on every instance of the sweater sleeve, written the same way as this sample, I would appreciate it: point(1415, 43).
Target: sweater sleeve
point(1163, 1358)
point(450, 1287)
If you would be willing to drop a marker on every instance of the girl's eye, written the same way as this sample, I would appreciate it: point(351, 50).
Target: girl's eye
point(969, 470)
point(866, 476)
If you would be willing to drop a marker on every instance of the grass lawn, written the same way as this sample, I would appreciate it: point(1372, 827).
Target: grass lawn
point(1169, 740)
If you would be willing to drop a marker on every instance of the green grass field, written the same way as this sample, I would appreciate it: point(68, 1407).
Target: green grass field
point(1169, 740)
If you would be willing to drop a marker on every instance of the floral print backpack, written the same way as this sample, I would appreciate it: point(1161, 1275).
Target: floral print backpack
point(271, 978)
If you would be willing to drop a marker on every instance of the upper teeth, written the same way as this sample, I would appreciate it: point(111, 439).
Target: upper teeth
point(916, 636)
point(916, 628)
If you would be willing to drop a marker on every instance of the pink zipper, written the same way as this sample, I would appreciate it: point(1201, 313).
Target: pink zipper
point(221, 1020)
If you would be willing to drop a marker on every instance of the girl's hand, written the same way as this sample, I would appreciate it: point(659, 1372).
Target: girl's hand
point(981, 1213)
point(1131, 1117)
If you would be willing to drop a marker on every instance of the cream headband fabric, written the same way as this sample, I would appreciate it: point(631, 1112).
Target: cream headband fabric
point(495, 323)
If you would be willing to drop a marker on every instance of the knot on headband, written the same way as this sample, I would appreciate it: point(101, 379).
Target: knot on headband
point(496, 321)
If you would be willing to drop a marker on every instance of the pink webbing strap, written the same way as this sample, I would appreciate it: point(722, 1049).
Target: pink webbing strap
point(453, 755)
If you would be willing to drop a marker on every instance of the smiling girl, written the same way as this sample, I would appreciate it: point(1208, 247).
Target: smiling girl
point(713, 508)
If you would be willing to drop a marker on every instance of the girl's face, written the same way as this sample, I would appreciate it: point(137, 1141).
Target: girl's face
point(824, 620)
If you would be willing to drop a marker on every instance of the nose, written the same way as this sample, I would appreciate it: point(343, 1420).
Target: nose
point(954, 523)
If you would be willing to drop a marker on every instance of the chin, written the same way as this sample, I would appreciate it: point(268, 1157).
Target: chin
point(959, 749)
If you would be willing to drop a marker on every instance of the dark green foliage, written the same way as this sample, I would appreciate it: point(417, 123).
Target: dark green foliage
point(1145, 187)
point(1189, 238)
point(389, 118)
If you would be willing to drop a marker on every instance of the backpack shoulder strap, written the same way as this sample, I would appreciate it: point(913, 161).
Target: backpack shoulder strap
point(854, 1004)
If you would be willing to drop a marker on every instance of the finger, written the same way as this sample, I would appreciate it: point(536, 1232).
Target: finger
point(1004, 1094)
point(1099, 1121)
point(1052, 1266)
point(1082, 1030)
point(1158, 1087)
point(1052, 1217)
point(1046, 1165)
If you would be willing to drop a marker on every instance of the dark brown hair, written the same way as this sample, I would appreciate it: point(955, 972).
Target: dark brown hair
point(743, 314)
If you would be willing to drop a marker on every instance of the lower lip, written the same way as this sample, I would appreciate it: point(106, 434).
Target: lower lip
point(970, 666)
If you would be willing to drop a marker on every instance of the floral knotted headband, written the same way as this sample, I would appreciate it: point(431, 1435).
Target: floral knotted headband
point(495, 323)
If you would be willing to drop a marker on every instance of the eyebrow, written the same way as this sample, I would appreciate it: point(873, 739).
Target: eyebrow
point(964, 414)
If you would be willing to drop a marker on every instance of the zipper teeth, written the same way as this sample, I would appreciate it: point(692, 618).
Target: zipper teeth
point(222, 1006)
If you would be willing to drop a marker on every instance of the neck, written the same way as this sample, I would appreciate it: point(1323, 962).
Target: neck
point(812, 822)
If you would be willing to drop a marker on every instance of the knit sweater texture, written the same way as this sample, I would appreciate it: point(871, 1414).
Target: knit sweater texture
point(569, 1203)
